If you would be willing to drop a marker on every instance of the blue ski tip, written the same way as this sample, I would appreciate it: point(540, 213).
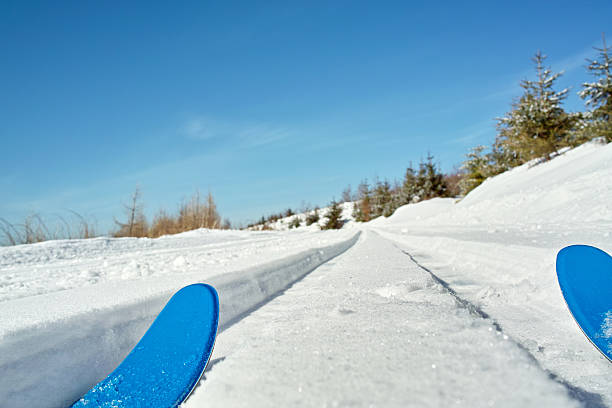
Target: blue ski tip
point(585, 277)
point(166, 364)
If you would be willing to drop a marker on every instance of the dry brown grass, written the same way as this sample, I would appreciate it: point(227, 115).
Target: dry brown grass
point(35, 229)
point(192, 214)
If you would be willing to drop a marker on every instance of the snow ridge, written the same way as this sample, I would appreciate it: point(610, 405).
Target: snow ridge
point(56, 364)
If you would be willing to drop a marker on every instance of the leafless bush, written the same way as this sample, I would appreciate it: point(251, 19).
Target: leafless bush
point(136, 224)
point(195, 213)
point(163, 224)
point(35, 229)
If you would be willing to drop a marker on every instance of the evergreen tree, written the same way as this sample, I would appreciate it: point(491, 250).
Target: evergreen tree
point(537, 125)
point(334, 217)
point(408, 190)
point(314, 217)
point(429, 181)
point(501, 157)
point(347, 196)
point(381, 196)
point(477, 168)
point(295, 222)
point(598, 96)
point(362, 210)
point(384, 199)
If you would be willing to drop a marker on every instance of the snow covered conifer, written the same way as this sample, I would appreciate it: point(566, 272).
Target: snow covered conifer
point(429, 181)
point(477, 169)
point(382, 199)
point(334, 217)
point(598, 95)
point(312, 218)
point(408, 191)
point(537, 125)
point(295, 222)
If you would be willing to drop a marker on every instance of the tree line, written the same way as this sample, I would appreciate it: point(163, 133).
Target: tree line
point(538, 126)
point(535, 129)
point(192, 214)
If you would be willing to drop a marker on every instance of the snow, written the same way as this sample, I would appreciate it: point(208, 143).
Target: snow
point(444, 303)
point(83, 333)
point(606, 328)
point(283, 224)
point(371, 329)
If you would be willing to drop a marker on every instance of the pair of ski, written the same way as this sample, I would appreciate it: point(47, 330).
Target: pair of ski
point(167, 363)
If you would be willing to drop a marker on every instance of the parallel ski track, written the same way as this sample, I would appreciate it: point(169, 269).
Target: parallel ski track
point(586, 398)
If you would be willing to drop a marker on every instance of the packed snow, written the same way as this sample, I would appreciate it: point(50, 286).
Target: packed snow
point(445, 303)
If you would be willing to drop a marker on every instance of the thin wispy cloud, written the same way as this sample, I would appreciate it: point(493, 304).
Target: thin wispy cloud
point(474, 132)
point(578, 60)
point(565, 65)
point(243, 135)
point(202, 128)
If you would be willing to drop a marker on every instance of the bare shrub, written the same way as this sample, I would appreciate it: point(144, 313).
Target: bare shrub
point(136, 223)
point(35, 229)
point(163, 224)
point(195, 213)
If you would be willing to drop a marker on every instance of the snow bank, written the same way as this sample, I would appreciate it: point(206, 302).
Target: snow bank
point(55, 346)
point(572, 189)
point(497, 248)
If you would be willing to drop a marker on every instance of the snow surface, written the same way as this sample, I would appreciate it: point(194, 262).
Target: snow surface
point(283, 224)
point(445, 303)
point(371, 329)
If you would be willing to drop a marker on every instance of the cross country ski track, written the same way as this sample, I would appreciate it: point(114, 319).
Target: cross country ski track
point(85, 347)
point(375, 309)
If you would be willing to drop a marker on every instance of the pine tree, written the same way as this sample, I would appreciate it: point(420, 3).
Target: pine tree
point(381, 197)
point(408, 190)
point(477, 169)
point(537, 125)
point(334, 217)
point(314, 217)
point(598, 96)
point(384, 199)
point(295, 222)
point(429, 181)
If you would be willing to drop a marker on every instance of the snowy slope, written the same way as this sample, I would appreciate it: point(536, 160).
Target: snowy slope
point(313, 318)
point(283, 224)
point(497, 248)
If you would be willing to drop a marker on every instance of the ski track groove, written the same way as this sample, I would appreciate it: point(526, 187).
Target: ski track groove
point(586, 398)
point(88, 346)
point(329, 314)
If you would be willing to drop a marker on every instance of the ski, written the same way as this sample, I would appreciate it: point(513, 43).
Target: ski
point(585, 277)
point(167, 363)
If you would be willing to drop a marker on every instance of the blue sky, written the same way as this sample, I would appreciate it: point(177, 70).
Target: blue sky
point(265, 104)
